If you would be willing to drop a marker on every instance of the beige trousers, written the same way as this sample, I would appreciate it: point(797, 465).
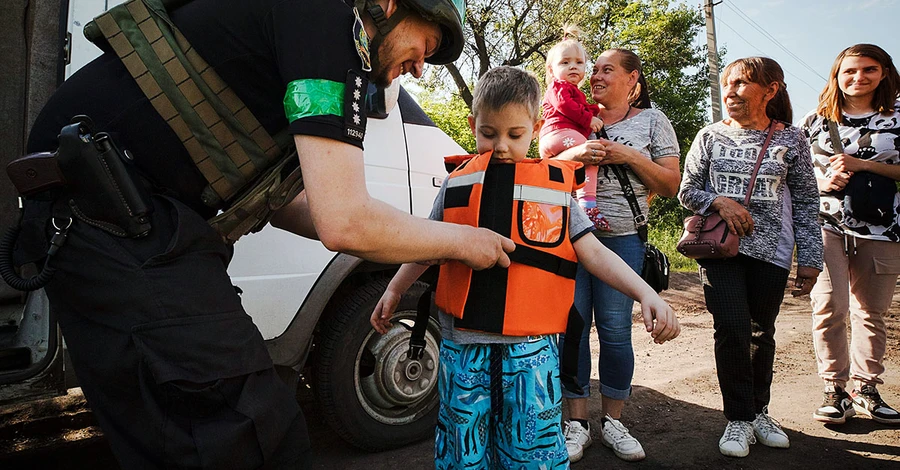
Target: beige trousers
point(858, 283)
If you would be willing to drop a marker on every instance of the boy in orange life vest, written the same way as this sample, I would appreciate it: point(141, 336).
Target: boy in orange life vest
point(499, 383)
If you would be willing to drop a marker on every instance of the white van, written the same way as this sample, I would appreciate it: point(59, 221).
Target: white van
point(311, 305)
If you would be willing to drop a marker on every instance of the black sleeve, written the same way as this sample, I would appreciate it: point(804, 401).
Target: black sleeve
point(319, 65)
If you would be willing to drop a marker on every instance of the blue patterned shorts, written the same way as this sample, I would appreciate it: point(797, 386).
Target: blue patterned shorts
point(529, 432)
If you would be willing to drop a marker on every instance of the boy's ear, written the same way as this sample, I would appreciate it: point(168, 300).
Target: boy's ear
point(537, 128)
point(472, 124)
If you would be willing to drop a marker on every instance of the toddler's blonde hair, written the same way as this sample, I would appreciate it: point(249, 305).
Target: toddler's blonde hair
point(570, 38)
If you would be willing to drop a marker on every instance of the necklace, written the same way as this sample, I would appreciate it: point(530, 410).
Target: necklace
point(627, 112)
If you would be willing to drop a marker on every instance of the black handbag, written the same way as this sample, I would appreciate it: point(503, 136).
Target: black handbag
point(656, 268)
point(869, 197)
point(655, 271)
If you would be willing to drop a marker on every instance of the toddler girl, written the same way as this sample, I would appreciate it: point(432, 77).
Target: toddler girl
point(568, 118)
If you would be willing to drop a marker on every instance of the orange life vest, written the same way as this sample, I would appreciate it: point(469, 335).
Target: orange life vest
point(529, 203)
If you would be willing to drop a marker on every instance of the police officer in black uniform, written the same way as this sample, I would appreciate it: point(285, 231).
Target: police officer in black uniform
point(175, 371)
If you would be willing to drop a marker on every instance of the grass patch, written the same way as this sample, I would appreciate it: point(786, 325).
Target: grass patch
point(665, 238)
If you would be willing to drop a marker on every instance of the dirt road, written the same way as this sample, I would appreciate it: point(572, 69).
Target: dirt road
point(675, 411)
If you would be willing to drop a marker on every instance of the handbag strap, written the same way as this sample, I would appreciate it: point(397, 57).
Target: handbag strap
point(836, 145)
point(639, 219)
point(759, 159)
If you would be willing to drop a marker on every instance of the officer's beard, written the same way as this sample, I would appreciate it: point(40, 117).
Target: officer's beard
point(381, 73)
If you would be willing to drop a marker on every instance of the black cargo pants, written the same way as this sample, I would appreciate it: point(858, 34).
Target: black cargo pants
point(174, 370)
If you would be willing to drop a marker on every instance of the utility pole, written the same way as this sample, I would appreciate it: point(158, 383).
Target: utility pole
point(712, 58)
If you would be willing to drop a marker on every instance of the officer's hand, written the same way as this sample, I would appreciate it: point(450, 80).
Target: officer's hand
point(485, 249)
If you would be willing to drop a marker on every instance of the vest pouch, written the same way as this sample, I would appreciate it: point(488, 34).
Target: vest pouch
point(542, 224)
point(253, 209)
point(102, 185)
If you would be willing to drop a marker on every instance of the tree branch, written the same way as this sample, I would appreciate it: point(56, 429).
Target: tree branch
point(461, 84)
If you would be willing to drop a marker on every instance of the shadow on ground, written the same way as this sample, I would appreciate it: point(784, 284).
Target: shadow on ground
point(675, 434)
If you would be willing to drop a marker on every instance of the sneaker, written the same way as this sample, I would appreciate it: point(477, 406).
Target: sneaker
point(736, 440)
point(768, 431)
point(868, 401)
point(837, 406)
point(598, 219)
point(617, 438)
point(578, 438)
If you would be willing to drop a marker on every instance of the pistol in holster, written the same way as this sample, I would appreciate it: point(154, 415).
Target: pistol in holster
point(100, 182)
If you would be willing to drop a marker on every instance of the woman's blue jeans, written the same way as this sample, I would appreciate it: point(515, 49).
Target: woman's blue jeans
point(611, 312)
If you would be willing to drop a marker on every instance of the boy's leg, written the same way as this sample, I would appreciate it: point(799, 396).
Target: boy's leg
point(462, 438)
point(530, 435)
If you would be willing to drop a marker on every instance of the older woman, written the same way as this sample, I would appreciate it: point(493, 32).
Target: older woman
point(862, 254)
point(744, 293)
point(642, 139)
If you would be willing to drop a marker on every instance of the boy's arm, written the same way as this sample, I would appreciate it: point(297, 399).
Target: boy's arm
point(384, 310)
point(609, 268)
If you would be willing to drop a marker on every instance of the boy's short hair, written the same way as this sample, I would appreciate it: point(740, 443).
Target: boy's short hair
point(504, 85)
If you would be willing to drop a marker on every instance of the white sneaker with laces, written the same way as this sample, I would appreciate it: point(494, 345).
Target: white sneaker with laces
point(736, 440)
point(617, 438)
point(768, 431)
point(578, 438)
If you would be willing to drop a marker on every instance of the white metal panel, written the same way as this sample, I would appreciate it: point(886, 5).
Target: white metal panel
point(80, 13)
point(427, 148)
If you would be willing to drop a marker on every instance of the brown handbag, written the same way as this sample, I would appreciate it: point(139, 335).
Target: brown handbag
point(707, 236)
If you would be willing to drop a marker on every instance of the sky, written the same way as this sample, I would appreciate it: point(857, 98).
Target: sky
point(813, 32)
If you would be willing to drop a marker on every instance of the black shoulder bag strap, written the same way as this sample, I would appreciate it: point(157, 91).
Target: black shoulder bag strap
point(640, 220)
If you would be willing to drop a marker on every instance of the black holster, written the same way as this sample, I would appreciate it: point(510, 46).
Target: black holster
point(101, 183)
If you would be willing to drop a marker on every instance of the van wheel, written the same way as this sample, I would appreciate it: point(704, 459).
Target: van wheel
point(370, 392)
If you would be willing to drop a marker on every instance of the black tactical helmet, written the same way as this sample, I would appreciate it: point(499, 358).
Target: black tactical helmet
point(449, 14)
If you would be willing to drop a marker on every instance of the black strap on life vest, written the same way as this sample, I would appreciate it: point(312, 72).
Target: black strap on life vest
point(544, 261)
point(423, 311)
point(568, 368)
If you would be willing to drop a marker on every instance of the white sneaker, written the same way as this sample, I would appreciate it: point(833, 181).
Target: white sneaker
point(617, 438)
point(768, 431)
point(578, 438)
point(736, 440)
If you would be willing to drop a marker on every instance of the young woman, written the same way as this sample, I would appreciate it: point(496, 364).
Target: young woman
point(862, 257)
point(643, 139)
point(744, 293)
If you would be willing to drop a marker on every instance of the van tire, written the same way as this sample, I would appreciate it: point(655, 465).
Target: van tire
point(357, 400)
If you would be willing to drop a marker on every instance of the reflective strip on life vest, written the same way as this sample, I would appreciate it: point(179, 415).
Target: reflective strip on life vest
point(466, 180)
point(541, 195)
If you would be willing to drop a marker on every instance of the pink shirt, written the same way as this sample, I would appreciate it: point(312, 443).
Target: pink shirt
point(565, 107)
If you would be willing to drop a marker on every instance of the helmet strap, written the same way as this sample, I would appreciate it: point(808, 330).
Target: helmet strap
point(383, 24)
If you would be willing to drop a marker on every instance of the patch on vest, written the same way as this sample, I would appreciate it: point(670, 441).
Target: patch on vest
point(361, 39)
point(355, 105)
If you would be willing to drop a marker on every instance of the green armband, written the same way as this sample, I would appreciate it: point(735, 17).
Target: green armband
point(313, 97)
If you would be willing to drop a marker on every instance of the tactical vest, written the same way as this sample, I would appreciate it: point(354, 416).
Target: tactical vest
point(250, 174)
point(529, 203)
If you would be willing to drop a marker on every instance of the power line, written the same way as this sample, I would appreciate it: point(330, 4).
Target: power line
point(765, 33)
point(719, 20)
